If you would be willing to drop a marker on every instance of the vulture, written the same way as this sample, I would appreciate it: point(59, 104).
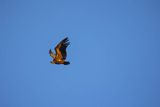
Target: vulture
point(60, 56)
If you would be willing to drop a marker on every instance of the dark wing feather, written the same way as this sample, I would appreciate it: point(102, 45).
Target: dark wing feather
point(61, 48)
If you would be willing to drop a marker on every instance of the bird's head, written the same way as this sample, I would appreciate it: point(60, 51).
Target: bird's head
point(52, 62)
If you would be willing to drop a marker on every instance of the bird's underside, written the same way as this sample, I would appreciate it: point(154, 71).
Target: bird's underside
point(61, 54)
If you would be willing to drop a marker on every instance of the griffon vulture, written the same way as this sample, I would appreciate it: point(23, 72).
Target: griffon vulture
point(61, 54)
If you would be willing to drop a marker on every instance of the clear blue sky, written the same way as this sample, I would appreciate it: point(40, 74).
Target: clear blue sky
point(114, 53)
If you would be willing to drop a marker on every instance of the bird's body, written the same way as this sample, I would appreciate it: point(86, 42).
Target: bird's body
point(61, 54)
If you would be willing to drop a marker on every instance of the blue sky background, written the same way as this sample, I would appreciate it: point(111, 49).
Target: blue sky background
point(114, 53)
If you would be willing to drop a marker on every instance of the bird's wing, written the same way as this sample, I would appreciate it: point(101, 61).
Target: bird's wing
point(51, 53)
point(61, 48)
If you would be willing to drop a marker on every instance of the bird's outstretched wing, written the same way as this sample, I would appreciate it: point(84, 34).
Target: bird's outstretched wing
point(61, 48)
point(51, 53)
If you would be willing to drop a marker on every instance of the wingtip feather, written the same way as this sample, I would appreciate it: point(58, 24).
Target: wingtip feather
point(50, 51)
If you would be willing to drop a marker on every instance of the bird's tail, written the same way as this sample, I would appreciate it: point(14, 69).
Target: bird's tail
point(66, 63)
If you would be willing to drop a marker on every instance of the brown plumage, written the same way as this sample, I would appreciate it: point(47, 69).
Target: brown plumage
point(61, 54)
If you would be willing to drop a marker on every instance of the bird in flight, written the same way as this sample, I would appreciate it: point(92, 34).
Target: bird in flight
point(61, 54)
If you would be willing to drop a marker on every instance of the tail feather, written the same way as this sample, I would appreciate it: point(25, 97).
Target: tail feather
point(66, 63)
